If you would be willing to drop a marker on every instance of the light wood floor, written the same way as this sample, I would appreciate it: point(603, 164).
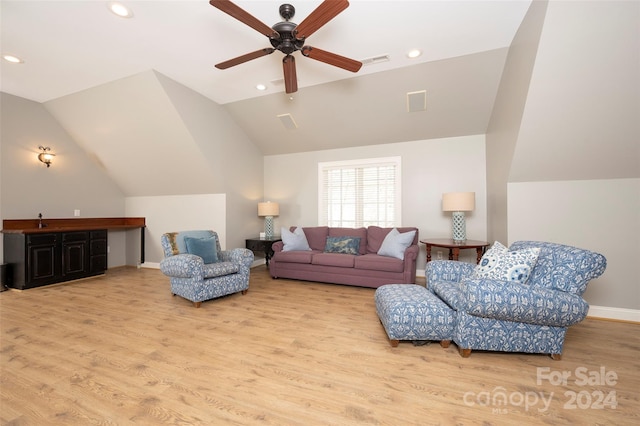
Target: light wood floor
point(119, 349)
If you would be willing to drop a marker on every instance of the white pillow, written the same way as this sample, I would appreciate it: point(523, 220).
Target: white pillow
point(395, 243)
point(499, 263)
point(295, 240)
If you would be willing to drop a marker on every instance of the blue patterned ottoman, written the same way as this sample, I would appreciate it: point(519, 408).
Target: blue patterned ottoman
point(411, 312)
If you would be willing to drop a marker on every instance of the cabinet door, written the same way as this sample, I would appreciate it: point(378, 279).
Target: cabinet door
point(75, 254)
point(43, 260)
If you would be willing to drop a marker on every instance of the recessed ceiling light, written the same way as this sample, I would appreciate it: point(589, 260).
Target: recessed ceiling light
point(261, 87)
point(414, 53)
point(13, 59)
point(120, 9)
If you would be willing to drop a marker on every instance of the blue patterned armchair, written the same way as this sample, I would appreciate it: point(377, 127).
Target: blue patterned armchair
point(509, 316)
point(199, 270)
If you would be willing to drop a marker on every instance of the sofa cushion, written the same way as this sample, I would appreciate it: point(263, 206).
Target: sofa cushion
point(343, 245)
point(203, 247)
point(450, 292)
point(376, 235)
point(374, 262)
point(334, 259)
point(220, 269)
point(352, 232)
point(298, 256)
point(316, 236)
point(295, 240)
point(395, 243)
point(500, 263)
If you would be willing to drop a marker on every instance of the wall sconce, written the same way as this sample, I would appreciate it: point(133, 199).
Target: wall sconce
point(268, 210)
point(458, 203)
point(45, 156)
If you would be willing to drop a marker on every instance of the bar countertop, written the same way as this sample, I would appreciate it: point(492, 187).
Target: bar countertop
point(32, 226)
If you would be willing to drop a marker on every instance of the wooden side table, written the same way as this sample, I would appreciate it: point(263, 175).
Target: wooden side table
point(263, 245)
point(454, 248)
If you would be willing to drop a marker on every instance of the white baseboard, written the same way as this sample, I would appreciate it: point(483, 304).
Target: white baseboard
point(607, 312)
point(258, 262)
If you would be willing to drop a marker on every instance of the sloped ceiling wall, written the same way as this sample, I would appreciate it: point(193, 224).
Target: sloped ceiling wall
point(131, 128)
point(372, 109)
point(583, 105)
point(504, 125)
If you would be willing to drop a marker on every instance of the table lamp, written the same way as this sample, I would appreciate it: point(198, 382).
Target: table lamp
point(268, 210)
point(458, 203)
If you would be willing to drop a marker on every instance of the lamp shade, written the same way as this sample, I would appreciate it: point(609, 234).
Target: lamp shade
point(268, 209)
point(458, 201)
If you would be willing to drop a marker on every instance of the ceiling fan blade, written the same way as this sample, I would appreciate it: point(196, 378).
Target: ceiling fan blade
point(327, 10)
point(244, 58)
point(331, 58)
point(290, 78)
point(243, 16)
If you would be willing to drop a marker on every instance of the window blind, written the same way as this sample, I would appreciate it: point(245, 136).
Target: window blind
point(359, 193)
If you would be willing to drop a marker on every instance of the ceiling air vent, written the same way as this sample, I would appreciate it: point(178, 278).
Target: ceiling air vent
point(287, 121)
point(417, 101)
point(375, 60)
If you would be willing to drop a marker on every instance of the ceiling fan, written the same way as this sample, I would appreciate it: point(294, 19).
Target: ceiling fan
point(288, 37)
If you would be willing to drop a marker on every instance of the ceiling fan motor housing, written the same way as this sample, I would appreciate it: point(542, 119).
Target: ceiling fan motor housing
point(287, 43)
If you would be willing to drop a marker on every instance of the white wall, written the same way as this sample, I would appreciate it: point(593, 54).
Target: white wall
point(429, 168)
point(598, 215)
point(174, 213)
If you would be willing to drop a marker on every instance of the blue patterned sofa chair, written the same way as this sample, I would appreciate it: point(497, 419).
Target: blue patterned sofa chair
point(199, 270)
point(520, 299)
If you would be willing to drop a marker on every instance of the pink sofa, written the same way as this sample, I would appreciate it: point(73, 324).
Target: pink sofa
point(367, 269)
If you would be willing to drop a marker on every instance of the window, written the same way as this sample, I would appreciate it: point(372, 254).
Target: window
point(359, 193)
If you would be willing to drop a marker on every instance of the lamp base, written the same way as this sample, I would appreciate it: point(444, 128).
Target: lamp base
point(268, 226)
point(459, 228)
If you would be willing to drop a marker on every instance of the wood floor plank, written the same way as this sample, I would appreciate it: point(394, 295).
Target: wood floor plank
point(120, 349)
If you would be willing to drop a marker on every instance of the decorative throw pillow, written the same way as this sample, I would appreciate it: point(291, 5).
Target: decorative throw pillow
point(395, 243)
point(499, 263)
point(203, 247)
point(344, 245)
point(295, 240)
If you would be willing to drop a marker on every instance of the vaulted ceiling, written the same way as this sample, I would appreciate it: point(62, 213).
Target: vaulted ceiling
point(71, 47)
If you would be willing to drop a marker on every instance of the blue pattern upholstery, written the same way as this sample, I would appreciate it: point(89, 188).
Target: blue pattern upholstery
point(411, 312)
point(512, 317)
point(196, 281)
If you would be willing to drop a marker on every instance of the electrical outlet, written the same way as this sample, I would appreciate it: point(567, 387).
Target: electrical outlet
point(76, 212)
point(108, 249)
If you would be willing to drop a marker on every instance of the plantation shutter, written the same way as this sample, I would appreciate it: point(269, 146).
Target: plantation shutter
point(359, 193)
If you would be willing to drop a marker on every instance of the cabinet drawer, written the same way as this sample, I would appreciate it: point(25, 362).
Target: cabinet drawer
point(99, 235)
point(74, 236)
point(98, 264)
point(41, 239)
point(98, 247)
point(254, 245)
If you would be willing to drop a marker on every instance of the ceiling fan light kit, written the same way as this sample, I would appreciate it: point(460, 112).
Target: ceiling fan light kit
point(288, 37)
